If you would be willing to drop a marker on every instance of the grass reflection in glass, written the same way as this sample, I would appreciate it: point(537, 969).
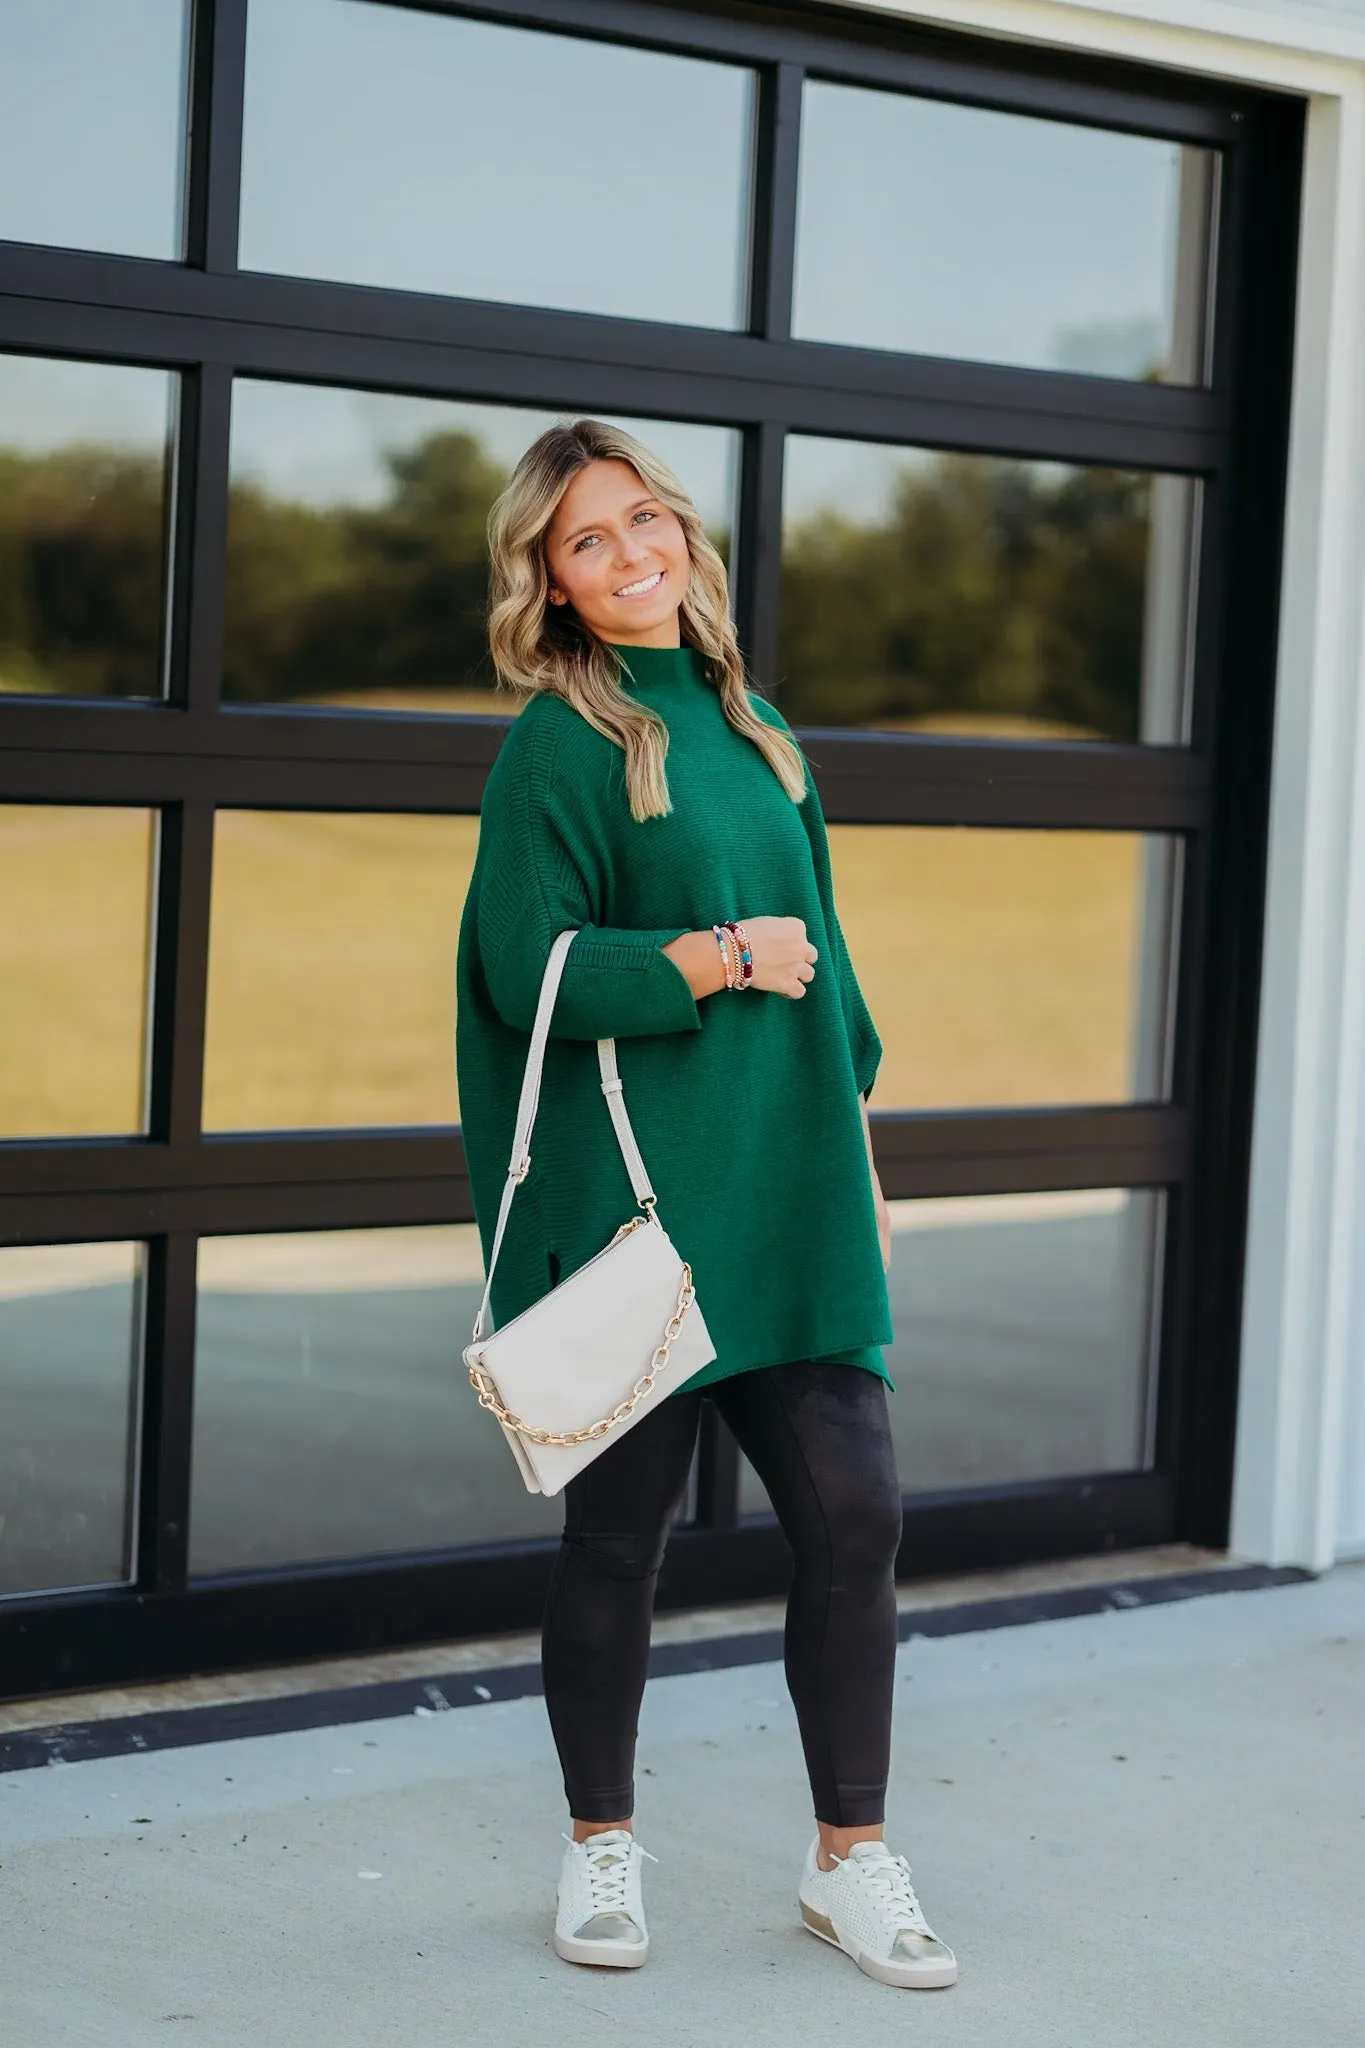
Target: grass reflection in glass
point(332, 969)
point(1008, 968)
point(75, 938)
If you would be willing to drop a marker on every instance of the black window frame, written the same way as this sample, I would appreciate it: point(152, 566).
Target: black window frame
point(191, 754)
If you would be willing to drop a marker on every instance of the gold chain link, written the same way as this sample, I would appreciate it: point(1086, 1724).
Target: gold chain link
point(488, 1393)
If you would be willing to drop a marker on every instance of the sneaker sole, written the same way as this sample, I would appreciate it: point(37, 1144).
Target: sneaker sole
point(604, 1955)
point(903, 1976)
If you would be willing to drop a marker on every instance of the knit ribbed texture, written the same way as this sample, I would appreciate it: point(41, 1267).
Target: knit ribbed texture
point(745, 1105)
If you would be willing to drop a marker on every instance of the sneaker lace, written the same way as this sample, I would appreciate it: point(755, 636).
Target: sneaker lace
point(888, 1880)
point(608, 1868)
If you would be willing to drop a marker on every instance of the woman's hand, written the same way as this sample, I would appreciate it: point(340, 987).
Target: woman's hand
point(784, 959)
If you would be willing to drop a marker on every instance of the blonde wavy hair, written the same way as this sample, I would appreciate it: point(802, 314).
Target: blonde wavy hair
point(537, 646)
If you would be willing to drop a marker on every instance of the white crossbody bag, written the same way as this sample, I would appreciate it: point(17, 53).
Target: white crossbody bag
point(590, 1359)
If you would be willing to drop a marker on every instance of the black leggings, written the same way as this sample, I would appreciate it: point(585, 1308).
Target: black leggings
point(819, 1438)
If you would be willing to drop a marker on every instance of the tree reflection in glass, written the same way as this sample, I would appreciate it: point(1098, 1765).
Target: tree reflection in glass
point(357, 563)
point(85, 467)
point(975, 595)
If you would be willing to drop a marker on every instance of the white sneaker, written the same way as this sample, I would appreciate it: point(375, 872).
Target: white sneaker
point(866, 1907)
point(601, 1914)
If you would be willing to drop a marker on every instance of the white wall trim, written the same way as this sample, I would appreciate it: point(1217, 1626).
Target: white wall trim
point(1304, 1217)
point(1214, 38)
point(1307, 1198)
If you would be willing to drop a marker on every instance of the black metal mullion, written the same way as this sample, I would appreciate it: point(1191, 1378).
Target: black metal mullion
point(300, 1159)
point(870, 778)
point(970, 1152)
point(774, 257)
point(254, 783)
point(1219, 511)
point(167, 310)
point(884, 54)
point(974, 423)
point(517, 355)
point(1202, 1389)
point(179, 992)
point(314, 1180)
point(167, 1419)
point(775, 181)
point(1186, 1365)
point(257, 1160)
point(103, 731)
point(760, 557)
point(300, 761)
point(1230, 264)
point(199, 545)
point(62, 1641)
point(233, 1210)
point(217, 94)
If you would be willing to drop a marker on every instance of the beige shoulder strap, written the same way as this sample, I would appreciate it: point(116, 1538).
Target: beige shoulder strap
point(612, 1087)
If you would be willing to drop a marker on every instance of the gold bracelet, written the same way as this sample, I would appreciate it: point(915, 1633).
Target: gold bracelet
point(745, 951)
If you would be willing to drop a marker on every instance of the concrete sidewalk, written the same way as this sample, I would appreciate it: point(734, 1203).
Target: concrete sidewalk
point(1139, 1830)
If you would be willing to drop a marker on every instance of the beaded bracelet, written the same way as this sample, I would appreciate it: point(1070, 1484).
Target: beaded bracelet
point(737, 957)
point(741, 939)
point(728, 960)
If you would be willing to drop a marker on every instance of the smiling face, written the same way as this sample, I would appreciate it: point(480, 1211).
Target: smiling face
point(619, 557)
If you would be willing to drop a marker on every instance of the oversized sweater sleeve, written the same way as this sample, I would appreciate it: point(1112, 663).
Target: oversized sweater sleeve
point(542, 859)
point(863, 1041)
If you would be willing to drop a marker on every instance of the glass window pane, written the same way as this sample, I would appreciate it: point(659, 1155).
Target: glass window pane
point(357, 565)
point(85, 465)
point(1026, 1330)
point(391, 147)
point(1008, 968)
point(92, 124)
point(332, 1417)
point(958, 231)
point(971, 595)
point(70, 1337)
point(75, 946)
point(331, 969)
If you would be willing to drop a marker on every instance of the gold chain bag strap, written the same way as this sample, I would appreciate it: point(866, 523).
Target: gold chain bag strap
point(488, 1393)
point(593, 1355)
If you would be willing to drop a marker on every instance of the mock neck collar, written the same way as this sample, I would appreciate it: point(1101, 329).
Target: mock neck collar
point(650, 667)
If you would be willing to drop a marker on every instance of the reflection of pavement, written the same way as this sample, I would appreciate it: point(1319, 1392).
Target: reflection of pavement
point(351, 1425)
point(1021, 1346)
point(1139, 1830)
point(334, 1418)
point(64, 1438)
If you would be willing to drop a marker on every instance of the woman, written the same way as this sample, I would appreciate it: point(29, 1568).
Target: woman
point(610, 609)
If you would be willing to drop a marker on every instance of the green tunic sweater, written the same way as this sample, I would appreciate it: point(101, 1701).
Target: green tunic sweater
point(745, 1105)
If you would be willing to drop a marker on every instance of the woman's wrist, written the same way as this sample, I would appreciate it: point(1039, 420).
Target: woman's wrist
point(700, 962)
